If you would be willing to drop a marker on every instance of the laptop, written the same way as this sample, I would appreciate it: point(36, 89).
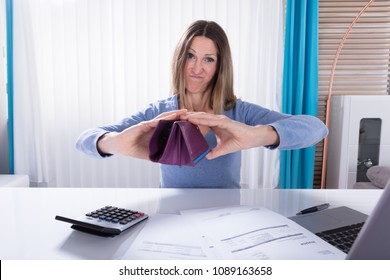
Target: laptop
point(371, 241)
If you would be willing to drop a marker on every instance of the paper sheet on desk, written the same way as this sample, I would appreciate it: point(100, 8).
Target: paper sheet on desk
point(245, 232)
point(167, 236)
point(236, 232)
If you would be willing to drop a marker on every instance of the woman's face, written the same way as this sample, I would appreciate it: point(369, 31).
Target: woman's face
point(201, 64)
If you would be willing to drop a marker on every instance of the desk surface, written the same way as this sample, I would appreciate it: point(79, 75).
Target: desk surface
point(12, 181)
point(29, 230)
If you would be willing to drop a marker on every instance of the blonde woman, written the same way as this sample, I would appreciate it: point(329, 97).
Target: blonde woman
point(202, 93)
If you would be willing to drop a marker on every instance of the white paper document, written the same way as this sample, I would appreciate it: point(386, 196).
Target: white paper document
point(246, 232)
point(167, 236)
point(236, 232)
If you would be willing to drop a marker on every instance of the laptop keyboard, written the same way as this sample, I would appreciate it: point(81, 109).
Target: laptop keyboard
point(343, 237)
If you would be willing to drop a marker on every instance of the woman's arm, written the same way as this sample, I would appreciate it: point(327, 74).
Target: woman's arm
point(299, 131)
point(127, 139)
point(278, 131)
point(232, 135)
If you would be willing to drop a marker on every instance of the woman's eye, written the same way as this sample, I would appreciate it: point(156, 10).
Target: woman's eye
point(209, 59)
point(190, 56)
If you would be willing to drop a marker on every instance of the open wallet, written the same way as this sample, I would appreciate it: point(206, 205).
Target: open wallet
point(177, 143)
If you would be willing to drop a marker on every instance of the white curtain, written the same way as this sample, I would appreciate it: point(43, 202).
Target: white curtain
point(83, 63)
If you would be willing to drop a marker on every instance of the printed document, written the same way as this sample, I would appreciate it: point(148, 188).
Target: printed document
point(246, 232)
point(167, 236)
point(235, 232)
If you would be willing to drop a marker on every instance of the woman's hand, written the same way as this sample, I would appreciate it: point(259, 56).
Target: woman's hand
point(134, 141)
point(233, 136)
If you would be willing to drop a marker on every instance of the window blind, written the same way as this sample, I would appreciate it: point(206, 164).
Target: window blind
point(363, 66)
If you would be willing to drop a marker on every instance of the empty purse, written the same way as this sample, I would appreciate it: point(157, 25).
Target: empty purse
point(177, 143)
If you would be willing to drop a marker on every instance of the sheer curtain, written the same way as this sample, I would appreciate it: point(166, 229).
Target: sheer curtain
point(79, 64)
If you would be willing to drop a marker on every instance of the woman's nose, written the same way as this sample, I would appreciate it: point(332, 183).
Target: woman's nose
point(197, 66)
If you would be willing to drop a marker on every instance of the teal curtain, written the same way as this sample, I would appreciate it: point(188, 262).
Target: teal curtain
point(10, 84)
point(300, 86)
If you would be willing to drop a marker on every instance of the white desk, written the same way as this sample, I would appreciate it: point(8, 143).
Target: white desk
point(29, 230)
point(14, 181)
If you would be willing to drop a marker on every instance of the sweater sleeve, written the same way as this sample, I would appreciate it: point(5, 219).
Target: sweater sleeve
point(87, 141)
point(295, 131)
point(299, 131)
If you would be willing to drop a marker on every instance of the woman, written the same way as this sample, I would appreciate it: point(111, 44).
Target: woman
point(202, 83)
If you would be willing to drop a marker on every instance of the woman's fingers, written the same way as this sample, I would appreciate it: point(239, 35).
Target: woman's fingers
point(171, 115)
point(206, 119)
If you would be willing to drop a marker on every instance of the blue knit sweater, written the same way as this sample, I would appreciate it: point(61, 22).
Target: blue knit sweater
point(295, 132)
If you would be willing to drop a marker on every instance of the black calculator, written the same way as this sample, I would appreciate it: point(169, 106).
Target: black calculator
point(106, 221)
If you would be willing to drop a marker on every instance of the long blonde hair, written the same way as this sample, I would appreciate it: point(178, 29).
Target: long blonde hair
point(222, 93)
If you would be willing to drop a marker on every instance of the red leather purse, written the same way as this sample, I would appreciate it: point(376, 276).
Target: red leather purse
point(177, 143)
